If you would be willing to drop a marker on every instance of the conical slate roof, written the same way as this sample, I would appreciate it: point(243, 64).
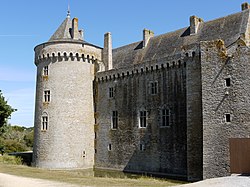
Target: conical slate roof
point(63, 33)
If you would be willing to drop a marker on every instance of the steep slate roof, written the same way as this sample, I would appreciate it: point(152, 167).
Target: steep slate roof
point(63, 34)
point(227, 28)
point(63, 31)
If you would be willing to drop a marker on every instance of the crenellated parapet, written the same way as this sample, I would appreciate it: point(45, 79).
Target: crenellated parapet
point(189, 53)
point(142, 68)
point(58, 51)
point(65, 56)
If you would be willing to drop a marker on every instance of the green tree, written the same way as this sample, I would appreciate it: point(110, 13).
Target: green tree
point(5, 110)
point(29, 138)
point(16, 138)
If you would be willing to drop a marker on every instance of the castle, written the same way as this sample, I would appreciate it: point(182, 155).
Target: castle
point(165, 105)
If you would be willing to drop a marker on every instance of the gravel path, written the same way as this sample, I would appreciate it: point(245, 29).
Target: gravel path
point(16, 181)
point(231, 181)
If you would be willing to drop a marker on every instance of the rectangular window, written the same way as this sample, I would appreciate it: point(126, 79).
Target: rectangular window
point(227, 118)
point(47, 96)
point(114, 122)
point(46, 71)
point(111, 92)
point(143, 119)
point(165, 118)
point(154, 87)
point(44, 123)
point(227, 82)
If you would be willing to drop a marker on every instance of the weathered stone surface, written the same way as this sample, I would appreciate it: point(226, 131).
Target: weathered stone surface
point(219, 99)
point(190, 67)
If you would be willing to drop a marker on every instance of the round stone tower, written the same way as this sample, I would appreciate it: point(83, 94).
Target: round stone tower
point(64, 111)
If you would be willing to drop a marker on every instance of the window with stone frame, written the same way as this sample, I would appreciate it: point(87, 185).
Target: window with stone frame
point(45, 70)
point(154, 87)
point(111, 92)
point(143, 119)
point(45, 122)
point(165, 117)
point(47, 96)
point(114, 120)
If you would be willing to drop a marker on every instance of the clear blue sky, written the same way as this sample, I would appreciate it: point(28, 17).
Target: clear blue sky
point(27, 23)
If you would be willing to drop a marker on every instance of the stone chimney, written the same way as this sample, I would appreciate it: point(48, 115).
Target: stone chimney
point(147, 34)
point(75, 32)
point(107, 51)
point(245, 6)
point(81, 32)
point(194, 24)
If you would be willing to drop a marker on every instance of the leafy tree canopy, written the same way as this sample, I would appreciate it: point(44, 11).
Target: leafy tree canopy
point(16, 139)
point(5, 110)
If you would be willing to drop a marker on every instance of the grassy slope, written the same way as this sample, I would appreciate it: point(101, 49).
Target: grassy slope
point(81, 178)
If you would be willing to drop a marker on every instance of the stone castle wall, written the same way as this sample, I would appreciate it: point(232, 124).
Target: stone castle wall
point(219, 99)
point(202, 83)
point(194, 116)
point(164, 148)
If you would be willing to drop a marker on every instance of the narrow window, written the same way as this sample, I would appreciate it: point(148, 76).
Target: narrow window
point(227, 118)
point(114, 122)
point(45, 71)
point(84, 154)
point(154, 87)
point(142, 147)
point(95, 135)
point(109, 147)
point(47, 96)
point(111, 92)
point(227, 82)
point(165, 118)
point(44, 123)
point(143, 119)
point(95, 151)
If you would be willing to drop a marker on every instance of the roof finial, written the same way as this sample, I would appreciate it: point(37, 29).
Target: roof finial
point(68, 12)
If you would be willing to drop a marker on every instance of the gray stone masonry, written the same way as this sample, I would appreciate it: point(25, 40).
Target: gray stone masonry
point(107, 106)
point(219, 98)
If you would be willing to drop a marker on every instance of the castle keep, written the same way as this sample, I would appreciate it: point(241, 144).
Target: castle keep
point(165, 105)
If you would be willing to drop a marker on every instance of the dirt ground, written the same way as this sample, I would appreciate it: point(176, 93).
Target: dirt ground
point(15, 181)
point(7, 180)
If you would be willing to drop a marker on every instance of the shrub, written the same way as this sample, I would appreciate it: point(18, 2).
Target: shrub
point(6, 159)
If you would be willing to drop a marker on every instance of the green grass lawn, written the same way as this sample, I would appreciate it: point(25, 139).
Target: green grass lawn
point(82, 177)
